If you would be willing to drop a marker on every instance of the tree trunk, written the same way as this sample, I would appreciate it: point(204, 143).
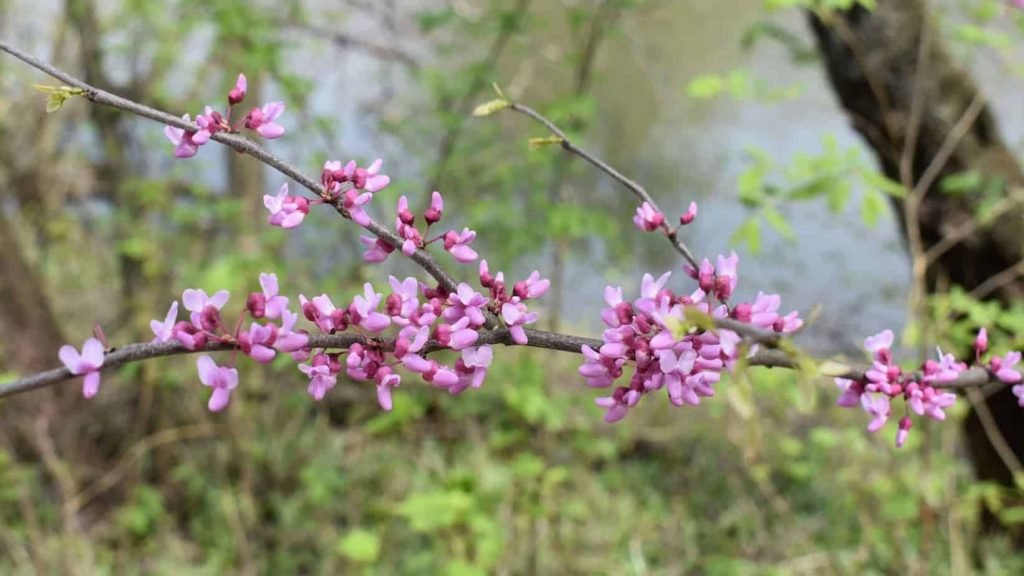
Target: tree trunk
point(873, 61)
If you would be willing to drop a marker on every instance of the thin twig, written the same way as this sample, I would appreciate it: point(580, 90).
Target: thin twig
point(997, 281)
point(603, 166)
point(238, 143)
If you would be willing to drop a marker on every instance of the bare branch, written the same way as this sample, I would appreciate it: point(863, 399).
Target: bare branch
point(603, 166)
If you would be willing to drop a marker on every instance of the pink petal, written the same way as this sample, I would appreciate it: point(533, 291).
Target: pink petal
point(71, 359)
point(219, 399)
point(91, 384)
point(384, 397)
point(92, 353)
point(207, 370)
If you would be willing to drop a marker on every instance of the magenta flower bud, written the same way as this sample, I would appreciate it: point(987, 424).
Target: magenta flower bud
point(433, 214)
point(743, 312)
point(359, 178)
point(981, 342)
point(210, 318)
point(237, 94)
point(689, 215)
point(723, 287)
point(404, 214)
point(393, 305)
point(903, 432)
point(486, 280)
point(256, 304)
point(443, 334)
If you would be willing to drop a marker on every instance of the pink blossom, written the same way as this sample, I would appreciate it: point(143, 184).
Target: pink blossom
point(287, 339)
point(364, 310)
point(286, 211)
point(321, 379)
point(353, 201)
point(877, 406)
point(405, 215)
point(205, 309)
point(222, 379)
point(1003, 367)
point(458, 244)
point(404, 300)
point(725, 275)
point(262, 120)
point(647, 218)
point(1018, 391)
point(237, 94)
point(164, 331)
point(368, 178)
point(533, 287)
point(268, 303)
point(879, 342)
point(87, 363)
point(436, 209)
point(689, 215)
point(184, 144)
point(852, 391)
point(386, 380)
point(981, 342)
point(516, 316)
point(377, 250)
point(903, 431)
point(258, 342)
point(925, 400)
point(466, 302)
point(210, 122)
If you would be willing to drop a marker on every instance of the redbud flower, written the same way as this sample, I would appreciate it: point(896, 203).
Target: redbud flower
point(466, 302)
point(1018, 391)
point(377, 250)
point(164, 331)
point(275, 304)
point(903, 432)
point(368, 179)
point(516, 316)
point(725, 275)
point(647, 218)
point(405, 215)
point(472, 368)
point(237, 94)
point(321, 379)
point(852, 391)
point(533, 287)
point(1003, 367)
point(364, 311)
point(204, 309)
point(285, 211)
point(88, 363)
point(386, 380)
point(288, 340)
point(262, 120)
point(689, 215)
point(458, 245)
point(879, 342)
point(221, 378)
point(184, 145)
point(210, 122)
point(981, 343)
point(433, 214)
point(877, 406)
point(353, 201)
point(257, 342)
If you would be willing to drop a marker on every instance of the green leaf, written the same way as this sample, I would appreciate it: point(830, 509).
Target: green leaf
point(360, 546)
point(706, 86)
point(881, 182)
point(777, 221)
point(872, 207)
point(838, 196)
point(750, 234)
point(488, 108)
point(961, 183)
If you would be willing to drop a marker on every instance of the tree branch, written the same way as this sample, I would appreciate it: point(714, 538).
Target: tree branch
point(603, 166)
point(238, 143)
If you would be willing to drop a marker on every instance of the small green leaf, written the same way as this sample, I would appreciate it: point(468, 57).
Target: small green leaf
point(695, 317)
point(750, 234)
point(538, 143)
point(872, 207)
point(705, 86)
point(488, 108)
point(961, 183)
point(360, 546)
point(777, 221)
point(57, 95)
point(881, 182)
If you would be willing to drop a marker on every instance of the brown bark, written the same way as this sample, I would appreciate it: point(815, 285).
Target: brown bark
point(872, 60)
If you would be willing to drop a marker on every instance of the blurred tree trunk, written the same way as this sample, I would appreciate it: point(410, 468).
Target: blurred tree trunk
point(872, 60)
point(247, 181)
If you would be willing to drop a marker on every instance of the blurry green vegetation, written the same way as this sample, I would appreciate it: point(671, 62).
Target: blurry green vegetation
point(520, 477)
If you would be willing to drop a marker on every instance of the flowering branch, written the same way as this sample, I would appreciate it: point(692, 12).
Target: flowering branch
point(674, 341)
point(238, 143)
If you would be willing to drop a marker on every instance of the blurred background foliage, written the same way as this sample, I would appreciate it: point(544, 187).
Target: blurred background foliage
point(520, 477)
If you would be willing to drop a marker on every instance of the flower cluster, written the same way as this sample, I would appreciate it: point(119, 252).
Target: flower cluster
point(921, 391)
point(657, 335)
point(262, 120)
point(648, 219)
